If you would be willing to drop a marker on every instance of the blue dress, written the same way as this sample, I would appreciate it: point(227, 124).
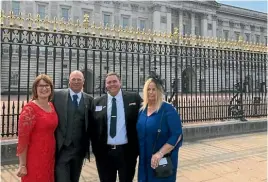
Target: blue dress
point(147, 127)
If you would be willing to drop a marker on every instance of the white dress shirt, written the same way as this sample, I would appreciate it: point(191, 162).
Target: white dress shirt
point(121, 132)
point(78, 94)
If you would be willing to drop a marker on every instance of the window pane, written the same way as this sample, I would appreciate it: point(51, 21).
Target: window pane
point(125, 22)
point(42, 11)
point(16, 7)
point(247, 37)
point(226, 35)
point(106, 19)
point(257, 38)
point(65, 14)
point(142, 24)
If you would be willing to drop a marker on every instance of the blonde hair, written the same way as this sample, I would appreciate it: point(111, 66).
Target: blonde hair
point(159, 94)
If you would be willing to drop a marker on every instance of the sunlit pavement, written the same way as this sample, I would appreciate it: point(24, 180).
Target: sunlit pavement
point(241, 158)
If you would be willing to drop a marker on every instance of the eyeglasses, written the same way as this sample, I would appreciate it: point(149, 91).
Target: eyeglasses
point(44, 86)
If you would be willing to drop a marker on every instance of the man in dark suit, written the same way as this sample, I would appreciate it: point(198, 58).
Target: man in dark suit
point(72, 134)
point(114, 139)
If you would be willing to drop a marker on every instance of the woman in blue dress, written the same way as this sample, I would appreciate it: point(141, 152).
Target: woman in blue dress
point(170, 137)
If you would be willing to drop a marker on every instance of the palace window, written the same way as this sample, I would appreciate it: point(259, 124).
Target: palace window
point(14, 80)
point(163, 19)
point(42, 11)
point(106, 19)
point(125, 21)
point(16, 7)
point(142, 24)
point(209, 26)
point(142, 80)
point(226, 35)
point(65, 13)
point(257, 39)
point(237, 34)
point(247, 37)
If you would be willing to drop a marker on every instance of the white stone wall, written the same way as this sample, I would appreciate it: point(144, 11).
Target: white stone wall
point(204, 18)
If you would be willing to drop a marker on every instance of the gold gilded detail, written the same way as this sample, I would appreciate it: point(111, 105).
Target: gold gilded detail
point(26, 22)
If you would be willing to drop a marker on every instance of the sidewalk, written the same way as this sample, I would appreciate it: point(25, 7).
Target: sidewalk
point(240, 158)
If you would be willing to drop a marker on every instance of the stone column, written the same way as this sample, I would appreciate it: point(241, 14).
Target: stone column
point(214, 26)
point(97, 14)
point(168, 20)
point(117, 13)
point(192, 23)
point(180, 21)
point(134, 8)
point(156, 18)
point(231, 32)
point(204, 25)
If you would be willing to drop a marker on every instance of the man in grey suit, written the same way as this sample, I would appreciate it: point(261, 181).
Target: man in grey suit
point(72, 134)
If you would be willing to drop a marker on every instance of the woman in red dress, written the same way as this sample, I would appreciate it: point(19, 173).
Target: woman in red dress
point(36, 143)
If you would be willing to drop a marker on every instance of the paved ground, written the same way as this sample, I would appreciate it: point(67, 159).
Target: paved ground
point(228, 159)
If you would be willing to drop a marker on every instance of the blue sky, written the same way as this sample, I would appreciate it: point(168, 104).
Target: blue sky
point(256, 5)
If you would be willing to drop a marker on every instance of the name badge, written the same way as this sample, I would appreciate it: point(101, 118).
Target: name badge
point(98, 108)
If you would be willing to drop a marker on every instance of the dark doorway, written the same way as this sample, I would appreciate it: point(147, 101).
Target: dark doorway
point(188, 80)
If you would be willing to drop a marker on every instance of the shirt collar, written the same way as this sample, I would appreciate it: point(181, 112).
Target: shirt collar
point(118, 96)
point(73, 93)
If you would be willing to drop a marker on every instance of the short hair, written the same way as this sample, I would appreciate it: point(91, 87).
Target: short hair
point(159, 95)
point(113, 73)
point(46, 79)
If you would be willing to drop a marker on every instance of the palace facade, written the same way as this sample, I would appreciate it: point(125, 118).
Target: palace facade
point(198, 18)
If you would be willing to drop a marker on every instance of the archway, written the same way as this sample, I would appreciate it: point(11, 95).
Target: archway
point(248, 83)
point(88, 85)
point(188, 80)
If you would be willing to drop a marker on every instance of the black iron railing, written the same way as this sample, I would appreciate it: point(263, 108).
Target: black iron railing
point(199, 79)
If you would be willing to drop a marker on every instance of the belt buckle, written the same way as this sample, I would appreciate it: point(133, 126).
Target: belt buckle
point(113, 147)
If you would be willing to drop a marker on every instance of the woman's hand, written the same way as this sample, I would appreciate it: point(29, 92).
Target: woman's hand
point(22, 171)
point(155, 160)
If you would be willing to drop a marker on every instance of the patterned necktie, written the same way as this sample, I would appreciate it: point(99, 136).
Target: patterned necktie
point(113, 119)
point(75, 97)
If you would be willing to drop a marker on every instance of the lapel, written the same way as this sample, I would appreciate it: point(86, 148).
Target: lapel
point(103, 124)
point(104, 106)
point(65, 106)
point(126, 102)
point(86, 109)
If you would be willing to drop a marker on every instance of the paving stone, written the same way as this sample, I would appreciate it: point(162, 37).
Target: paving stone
point(227, 159)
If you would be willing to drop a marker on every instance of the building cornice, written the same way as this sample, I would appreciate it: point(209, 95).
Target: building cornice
point(226, 9)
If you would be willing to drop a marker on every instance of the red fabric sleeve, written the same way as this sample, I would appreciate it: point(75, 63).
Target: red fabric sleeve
point(25, 127)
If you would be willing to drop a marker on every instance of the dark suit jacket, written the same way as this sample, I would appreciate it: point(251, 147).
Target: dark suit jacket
point(60, 101)
point(132, 102)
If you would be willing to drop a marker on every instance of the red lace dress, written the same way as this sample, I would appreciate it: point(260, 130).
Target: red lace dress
point(36, 129)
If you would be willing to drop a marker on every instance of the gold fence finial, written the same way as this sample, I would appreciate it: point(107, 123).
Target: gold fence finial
point(149, 34)
point(2, 17)
point(20, 20)
point(70, 26)
point(55, 23)
point(46, 22)
point(77, 26)
point(61, 23)
point(11, 18)
point(38, 21)
point(86, 22)
point(176, 31)
point(30, 20)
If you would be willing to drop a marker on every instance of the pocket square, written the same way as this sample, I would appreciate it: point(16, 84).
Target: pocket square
point(132, 104)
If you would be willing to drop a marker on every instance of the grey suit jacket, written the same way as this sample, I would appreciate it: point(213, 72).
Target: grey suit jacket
point(60, 101)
